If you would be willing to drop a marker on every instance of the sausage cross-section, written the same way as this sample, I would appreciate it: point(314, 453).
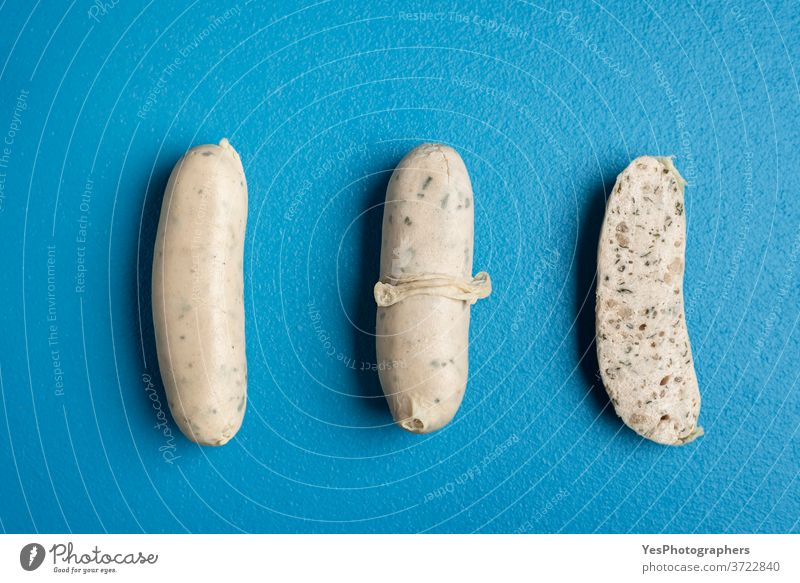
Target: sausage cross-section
point(426, 288)
point(642, 339)
point(198, 303)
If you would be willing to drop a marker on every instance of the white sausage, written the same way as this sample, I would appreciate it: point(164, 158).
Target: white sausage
point(642, 339)
point(198, 306)
point(422, 339)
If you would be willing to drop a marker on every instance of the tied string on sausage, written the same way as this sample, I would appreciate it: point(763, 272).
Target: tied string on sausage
point(396, 289)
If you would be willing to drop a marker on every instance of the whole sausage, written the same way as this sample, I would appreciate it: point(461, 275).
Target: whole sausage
point(198, 304)
point(426, 288)
point(642, 339)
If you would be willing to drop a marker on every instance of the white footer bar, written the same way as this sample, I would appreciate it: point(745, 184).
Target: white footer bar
point(401, 558)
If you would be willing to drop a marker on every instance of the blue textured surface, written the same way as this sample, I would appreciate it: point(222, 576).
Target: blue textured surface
point(546, 105)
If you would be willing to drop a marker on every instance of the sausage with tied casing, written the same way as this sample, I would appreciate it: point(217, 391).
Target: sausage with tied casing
point(423, 318)
point(642, 340)
point(198, 305)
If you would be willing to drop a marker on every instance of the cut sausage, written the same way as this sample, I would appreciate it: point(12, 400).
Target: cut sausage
point(642, 339)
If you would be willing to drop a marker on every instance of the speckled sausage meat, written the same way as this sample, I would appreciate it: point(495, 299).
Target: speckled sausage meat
point(642, 340)
point(198, 305)
point(426, 288)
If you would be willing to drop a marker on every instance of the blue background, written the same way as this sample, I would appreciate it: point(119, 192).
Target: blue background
point(547, 103)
